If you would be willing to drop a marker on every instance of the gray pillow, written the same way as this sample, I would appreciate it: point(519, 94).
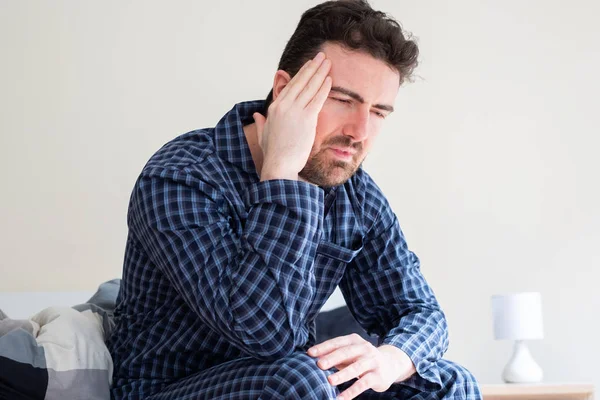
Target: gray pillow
point(106, 296)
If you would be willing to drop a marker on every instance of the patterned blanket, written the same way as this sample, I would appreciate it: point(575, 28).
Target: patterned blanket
point(59, 353)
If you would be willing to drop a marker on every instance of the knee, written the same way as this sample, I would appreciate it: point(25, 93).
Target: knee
point(299, 377)
point(458, 382)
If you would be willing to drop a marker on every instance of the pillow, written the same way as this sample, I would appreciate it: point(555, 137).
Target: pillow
point(106, 296)
point(59, 353)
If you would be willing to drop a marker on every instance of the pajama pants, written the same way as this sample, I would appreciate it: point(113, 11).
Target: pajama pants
point(298, 377)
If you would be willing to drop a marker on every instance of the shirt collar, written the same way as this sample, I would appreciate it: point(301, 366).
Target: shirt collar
point(230, 140)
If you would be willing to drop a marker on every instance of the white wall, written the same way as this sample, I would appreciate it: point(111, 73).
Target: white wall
point(490, 162)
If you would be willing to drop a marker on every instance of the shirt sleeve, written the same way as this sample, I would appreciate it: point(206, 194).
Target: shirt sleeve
point(388, 295)
point(252, 284)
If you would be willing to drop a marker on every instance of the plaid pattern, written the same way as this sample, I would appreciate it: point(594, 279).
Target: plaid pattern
point(220, 266)
point(293, 377)
point(298, 377)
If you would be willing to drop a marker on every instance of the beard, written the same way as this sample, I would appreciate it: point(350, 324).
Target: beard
point(325, 171)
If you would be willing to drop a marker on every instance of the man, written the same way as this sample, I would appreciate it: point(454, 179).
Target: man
point(239, 233)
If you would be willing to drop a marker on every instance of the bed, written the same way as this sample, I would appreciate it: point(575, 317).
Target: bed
point(52, 344)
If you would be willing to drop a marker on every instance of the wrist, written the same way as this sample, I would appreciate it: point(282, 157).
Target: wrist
point(403, 364)
point(273, 176)
point(269, 173)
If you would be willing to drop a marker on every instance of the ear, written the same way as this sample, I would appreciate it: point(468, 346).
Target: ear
point(280, 81)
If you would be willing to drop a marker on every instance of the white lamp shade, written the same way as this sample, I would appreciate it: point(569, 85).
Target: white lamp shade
point(518, 316)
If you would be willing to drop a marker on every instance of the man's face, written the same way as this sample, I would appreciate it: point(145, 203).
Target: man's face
point(363, 92)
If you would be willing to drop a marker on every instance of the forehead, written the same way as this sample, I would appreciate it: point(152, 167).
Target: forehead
point(371, 78)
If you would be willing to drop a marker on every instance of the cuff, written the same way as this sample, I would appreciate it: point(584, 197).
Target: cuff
point(294, 195)
point(428, 374)
point(284, 220)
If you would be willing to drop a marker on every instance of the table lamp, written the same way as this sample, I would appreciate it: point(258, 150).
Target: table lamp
point(518, 317)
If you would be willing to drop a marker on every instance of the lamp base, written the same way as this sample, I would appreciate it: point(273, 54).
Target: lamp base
point(522, 368)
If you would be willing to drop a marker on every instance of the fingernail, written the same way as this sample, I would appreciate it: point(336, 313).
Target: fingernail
point(320, 56)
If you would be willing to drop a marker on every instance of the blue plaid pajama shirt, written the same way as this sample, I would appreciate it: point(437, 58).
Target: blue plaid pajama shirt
point(224, 275)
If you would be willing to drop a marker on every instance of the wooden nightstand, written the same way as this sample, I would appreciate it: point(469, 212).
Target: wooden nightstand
point(540, 391)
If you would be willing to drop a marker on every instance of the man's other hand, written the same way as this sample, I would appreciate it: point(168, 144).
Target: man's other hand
point(376, 368)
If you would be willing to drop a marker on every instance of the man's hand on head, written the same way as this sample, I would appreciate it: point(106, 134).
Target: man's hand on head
point(287, 135)
point(376, 368)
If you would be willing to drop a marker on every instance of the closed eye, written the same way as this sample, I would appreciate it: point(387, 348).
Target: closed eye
point(342, 100)
point(379, 114)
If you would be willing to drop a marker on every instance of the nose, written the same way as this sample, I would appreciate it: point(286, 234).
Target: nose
point(357, 126)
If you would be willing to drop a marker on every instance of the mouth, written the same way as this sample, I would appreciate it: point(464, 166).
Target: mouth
point(343, 153)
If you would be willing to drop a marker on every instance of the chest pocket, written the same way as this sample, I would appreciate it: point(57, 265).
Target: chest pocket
point(330, 264)
point(337, 252)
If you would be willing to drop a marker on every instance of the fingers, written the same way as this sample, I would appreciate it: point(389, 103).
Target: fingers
point(345, 355)
point(314, 84)
point(316, 104)
point(300, 82)
point(361, 385)
point(355, 370)
point(287, 87)
point(260, 121)
point(332, 344)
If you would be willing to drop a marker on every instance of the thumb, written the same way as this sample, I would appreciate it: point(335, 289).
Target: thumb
point(260, 121)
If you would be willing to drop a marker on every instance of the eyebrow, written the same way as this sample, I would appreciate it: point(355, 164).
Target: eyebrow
point(359, 98)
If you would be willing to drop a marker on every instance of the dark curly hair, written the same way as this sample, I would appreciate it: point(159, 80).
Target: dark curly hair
point(354, 25)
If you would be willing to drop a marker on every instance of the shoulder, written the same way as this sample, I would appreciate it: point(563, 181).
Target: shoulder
point(185, 163)
point(191, 148)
